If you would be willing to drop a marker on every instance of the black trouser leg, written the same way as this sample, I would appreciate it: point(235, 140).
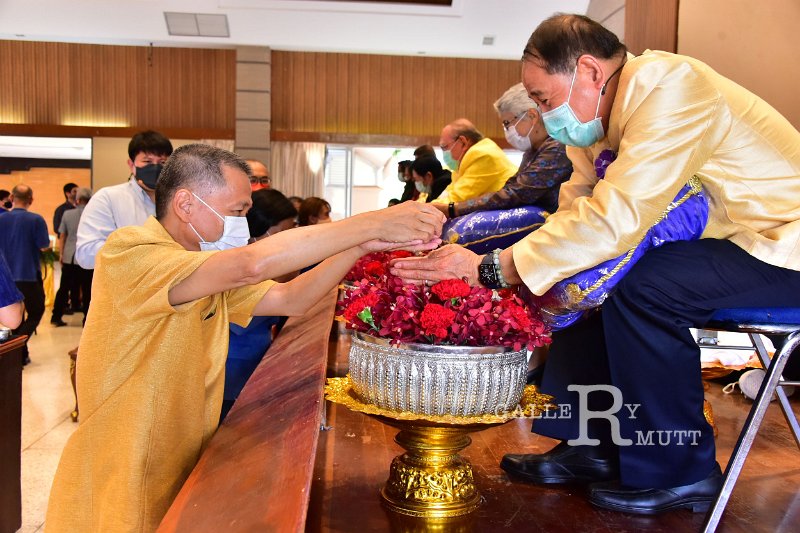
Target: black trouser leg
point(655, 361)
point(33, 293)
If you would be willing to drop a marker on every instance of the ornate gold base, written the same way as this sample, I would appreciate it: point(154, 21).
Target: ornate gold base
point(431, 480)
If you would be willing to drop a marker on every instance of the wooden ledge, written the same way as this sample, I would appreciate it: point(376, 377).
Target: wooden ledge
point(255, 474)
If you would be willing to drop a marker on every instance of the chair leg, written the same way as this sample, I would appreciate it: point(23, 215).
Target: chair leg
point(750, 429)
point(783, 401)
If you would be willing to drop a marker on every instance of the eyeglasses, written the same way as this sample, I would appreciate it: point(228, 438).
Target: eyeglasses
point(450, 146)
point(262, 180)
point(507, 123)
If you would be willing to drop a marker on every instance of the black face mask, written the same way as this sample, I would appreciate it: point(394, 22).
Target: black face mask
point(148, 174)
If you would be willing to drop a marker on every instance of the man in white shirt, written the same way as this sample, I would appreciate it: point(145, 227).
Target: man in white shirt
point(126, 204)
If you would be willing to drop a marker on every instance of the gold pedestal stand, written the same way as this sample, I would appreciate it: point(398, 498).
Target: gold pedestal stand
point(431, 480)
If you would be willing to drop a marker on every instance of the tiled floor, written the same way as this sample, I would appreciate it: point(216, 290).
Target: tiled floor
point(47, 401)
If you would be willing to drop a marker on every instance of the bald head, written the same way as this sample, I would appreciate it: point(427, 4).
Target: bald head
point(21, 195)
point(463, 127)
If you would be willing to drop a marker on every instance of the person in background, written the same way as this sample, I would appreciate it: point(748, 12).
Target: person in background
point(479, 165)
point(5, 200)
point(296, 202)
point(23, 235)
point(430, 178)
point(271, 213)
point(425, 150)
point(544, 167)
point(126, 204)
point(393, 201)
point(70, 189)
point(74, 278)
point(313, 211)
point(73, 297)
point(404, 175)
point(638, 128)
point(152, 355)
point(10, 298)
point(260, 178)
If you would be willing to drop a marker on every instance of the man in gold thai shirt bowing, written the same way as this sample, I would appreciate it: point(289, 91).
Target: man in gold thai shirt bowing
point(667, 118)
point(152, 356)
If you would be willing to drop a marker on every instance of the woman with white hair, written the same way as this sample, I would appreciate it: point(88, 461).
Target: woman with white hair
point(544, 163)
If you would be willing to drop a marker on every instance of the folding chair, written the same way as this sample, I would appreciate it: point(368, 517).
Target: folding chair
point(783, 322)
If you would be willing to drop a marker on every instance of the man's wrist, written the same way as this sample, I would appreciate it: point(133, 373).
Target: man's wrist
point(490, 275)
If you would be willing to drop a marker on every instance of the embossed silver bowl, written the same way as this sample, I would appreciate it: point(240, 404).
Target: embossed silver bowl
point(436, 380)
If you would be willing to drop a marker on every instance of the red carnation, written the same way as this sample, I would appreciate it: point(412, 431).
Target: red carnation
point(350, 314)
point(375, 269)
point(451, 288)
point(435, 319)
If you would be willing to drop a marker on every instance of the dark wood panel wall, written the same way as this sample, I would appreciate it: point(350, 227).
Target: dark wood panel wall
point(80, 89)
point(382, 99)
point(651, 24)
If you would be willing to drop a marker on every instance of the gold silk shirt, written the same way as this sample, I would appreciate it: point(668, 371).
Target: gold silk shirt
point(150, 380)
point(484, 168)
point(673, 117)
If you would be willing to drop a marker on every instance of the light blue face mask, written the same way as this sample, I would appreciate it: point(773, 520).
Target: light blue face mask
point(563, 126)
point(421, 187)
point(235, 232)
point(449, 160)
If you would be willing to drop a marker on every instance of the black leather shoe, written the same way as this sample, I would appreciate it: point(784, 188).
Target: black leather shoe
point(58, 323)
point(563, 464)
point(697, 496)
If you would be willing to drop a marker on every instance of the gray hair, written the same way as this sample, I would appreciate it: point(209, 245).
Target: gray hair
point(515, 101)
point(83, 194)
point(197, 167)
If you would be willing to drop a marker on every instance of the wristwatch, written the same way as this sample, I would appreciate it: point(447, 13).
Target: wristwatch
point(489, 274)
point(451, 209)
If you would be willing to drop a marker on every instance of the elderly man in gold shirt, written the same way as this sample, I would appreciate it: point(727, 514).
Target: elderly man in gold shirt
point(666, 118)
point(479, 165)
point(152, 356)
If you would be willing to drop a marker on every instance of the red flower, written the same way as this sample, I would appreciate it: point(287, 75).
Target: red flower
point(400, 254)
point(435, 319)
point(350, 313)
point(374, 269)
point(451, 288)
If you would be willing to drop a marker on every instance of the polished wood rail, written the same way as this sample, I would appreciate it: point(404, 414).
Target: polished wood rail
point(255, 474)
point(10, 434)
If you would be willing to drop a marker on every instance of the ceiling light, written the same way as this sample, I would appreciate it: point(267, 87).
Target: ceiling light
point(197, 24)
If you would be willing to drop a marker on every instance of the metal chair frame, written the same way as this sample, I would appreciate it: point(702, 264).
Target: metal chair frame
point(773, 384)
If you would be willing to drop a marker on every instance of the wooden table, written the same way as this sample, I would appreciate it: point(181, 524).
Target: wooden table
point(10, 433)
point(256, 473)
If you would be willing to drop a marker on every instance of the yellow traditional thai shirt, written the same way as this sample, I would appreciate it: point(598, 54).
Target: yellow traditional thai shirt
point(484, 168)
point(674, 117)
point(150, 380)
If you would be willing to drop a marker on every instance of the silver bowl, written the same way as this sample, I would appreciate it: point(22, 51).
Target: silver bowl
point(436, 380)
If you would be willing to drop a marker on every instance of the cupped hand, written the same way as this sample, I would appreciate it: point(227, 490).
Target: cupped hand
point(409, 222)
point(449, 262)
point(411, 246)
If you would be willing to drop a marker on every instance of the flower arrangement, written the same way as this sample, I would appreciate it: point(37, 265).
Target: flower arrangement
point(449, 312)
point(374, 265)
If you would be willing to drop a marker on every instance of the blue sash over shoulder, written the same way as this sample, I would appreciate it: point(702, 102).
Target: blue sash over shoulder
point(568, 300)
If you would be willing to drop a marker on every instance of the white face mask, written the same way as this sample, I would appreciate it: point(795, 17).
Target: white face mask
point(235, 232)
point(520, 142)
